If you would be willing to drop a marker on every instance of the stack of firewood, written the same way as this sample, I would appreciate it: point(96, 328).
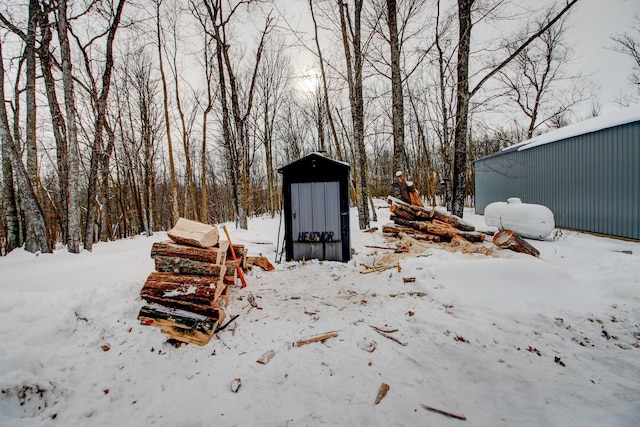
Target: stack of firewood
point(188, 290)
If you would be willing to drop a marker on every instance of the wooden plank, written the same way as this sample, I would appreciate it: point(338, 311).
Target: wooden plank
point(178, 265)
point(192, 293)
point(266, 357)
point(317, 338)
point(194, 233)
point(179, 324)
point(168, 248)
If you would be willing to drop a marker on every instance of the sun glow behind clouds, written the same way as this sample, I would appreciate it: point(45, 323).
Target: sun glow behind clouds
point(308, 83)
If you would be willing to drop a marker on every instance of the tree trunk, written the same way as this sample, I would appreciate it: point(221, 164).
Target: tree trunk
point(172, 170)
point(32, 209)
point(58, 125)
point(9, 202)
point(73, 203)
point(97, 152)
point(462, 107)
point(354, 79)
point(397, 109)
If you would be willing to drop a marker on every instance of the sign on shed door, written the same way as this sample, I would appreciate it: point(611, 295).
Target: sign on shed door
point(315, 211)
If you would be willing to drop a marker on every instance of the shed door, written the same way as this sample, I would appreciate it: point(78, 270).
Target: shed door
point(315, 212)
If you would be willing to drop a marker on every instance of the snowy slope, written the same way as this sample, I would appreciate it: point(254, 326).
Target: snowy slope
point(505, 340)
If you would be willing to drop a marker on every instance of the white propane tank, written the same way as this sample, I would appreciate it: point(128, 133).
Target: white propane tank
point(528, 220)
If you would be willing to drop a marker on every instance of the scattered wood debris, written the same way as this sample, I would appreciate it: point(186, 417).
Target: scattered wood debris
point(408, 279)
point(261, 262)
point(317, 338)
point(559, 361)
point(447, 413)
point(382, 392)
point(388, 335)
point(413, 294)
point(266, 357)
point(236, 384)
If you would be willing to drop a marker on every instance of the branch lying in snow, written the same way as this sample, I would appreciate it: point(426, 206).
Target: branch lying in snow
point(317, 338)
point(440, 411)
point(386, 335)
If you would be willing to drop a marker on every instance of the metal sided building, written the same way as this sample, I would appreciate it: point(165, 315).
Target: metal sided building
point(315, 192)
point(588, 174)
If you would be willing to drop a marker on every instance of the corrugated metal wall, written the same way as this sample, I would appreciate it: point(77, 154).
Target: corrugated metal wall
point(591, 182)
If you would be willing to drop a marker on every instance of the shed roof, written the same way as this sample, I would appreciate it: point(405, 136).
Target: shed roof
point(605, 121)
point(302, 162)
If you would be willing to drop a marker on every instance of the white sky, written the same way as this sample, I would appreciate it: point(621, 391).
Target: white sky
point(594, 21)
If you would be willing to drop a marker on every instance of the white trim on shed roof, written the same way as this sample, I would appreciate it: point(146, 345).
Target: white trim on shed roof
point(605, 121)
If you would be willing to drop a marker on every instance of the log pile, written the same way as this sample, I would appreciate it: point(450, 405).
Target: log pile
point(427, 223)
point(187, 293)
point(411, 218)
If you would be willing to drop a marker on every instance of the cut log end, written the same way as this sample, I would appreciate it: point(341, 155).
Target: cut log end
point(508, 239)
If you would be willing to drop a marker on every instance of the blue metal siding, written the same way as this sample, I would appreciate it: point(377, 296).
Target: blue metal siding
point(591, 182)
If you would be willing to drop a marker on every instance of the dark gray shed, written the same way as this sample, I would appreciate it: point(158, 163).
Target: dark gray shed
point(315, 192)
point(588, 174)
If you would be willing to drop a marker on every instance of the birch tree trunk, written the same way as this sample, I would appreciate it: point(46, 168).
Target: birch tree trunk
point(33, 212)
point(30, 147)
point(73, 202)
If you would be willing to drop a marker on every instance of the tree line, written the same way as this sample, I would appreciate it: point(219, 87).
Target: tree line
point(121, 116)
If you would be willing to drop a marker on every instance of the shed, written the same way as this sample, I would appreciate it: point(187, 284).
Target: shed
point(316, 208)
point(588, 174)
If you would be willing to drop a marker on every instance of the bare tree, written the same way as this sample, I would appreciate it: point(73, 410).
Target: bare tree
point(352, 44)
point(533, 76)
point(464, 93)
point(172, 170)
point(99, 97)
point(629, 45)
point(272, 84)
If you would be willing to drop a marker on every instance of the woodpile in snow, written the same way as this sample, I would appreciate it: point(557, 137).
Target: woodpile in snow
point(413, 223)
point(187, 293)
point(433, 225)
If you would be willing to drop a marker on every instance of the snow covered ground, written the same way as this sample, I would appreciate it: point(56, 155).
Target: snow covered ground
point(505, 340)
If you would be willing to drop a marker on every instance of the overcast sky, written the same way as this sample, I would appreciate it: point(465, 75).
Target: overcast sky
point(594, 22)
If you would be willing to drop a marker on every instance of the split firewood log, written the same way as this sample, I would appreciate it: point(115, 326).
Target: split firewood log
point(261, 262)
point(214, 255)
point(402, 187)
point(192, 293)
point(414, 197)
point(510, 240)
point(179, 324)
point(194, 233)
point(179, 265)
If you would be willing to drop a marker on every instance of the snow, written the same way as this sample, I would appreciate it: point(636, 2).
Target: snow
point(485, 341)
point(604, 121)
